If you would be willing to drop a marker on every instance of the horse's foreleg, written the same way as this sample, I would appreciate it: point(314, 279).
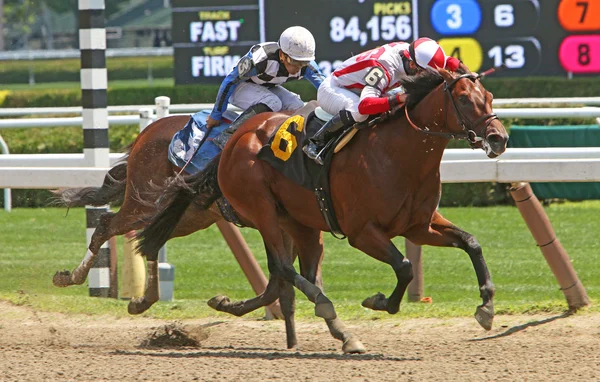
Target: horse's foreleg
point(443, 233)
point(102, 233)
point(372, 241)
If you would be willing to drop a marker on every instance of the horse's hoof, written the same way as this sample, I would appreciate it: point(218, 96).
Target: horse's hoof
point(324, 308)
point(62, 279)
point(353, 346)
point(217, 302)
point(137, 305)
point(485, 316)
point(376, 302)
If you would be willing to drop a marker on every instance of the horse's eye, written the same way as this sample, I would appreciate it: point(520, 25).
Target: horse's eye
point(463, 99)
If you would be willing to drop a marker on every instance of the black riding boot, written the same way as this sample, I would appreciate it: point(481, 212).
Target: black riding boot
point(221, 139)
point(318, 141)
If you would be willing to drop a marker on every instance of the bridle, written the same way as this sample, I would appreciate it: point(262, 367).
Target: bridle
point(468, 134)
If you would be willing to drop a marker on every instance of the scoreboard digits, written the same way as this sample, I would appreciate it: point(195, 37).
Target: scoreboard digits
point(488, 33)
point(579, 15)
point(528, 37)
point(580, 53)
point(455, 17)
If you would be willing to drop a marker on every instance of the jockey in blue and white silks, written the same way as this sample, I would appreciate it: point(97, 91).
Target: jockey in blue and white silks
point(254, 84)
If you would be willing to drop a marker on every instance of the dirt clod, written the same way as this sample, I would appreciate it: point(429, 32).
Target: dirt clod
point(174, 335)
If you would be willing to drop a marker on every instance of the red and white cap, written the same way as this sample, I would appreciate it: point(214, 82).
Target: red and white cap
point(427, 53)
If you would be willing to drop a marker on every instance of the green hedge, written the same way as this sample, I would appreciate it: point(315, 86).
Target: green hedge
point(119, 68)
point(132, 95)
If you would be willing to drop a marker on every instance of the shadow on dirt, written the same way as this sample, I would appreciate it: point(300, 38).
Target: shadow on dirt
point(518, 328)
point(253, 353)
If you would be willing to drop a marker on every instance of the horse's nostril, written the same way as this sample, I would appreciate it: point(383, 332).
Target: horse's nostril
point(497, 142)
point(495, 139)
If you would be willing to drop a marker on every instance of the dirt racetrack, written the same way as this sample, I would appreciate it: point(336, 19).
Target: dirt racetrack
point(37, 346)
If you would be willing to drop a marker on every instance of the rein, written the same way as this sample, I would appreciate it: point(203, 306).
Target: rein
point(468, 134)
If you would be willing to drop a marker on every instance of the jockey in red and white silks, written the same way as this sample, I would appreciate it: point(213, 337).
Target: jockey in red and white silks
point(359, 83)
point(358, 87)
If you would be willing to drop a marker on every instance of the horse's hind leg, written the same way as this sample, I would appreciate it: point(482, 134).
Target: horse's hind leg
point(372, 241)
point(110, 224)
point(445, 234)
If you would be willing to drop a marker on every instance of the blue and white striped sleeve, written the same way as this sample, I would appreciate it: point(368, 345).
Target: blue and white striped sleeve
point(243, 70)
point(314, 75)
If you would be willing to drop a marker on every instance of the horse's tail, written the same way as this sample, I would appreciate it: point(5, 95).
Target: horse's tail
point(111, 191)
point(201, 188)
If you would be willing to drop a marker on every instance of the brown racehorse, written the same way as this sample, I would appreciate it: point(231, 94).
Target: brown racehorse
point(130, 181)
point(384, 183)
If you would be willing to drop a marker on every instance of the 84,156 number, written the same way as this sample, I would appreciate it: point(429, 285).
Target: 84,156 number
point(387, 28)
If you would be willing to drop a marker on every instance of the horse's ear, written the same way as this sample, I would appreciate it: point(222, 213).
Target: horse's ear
point(447, 75)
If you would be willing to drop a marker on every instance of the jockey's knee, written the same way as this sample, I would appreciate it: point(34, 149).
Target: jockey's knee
point(272, 102)
point(359, 117)
point(293, 103)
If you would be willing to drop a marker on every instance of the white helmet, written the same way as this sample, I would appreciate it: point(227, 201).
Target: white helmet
point(298, 43)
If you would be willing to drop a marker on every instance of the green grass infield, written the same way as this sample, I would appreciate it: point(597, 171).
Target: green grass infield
point(35, 243)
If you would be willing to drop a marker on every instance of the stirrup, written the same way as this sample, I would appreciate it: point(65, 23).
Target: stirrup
point(309, 153)
point(318, 158)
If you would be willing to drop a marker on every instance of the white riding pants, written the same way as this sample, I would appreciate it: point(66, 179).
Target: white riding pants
point(277, 98)
point(333, 99)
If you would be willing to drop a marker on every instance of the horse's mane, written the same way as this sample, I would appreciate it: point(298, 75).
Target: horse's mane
point(417, 87)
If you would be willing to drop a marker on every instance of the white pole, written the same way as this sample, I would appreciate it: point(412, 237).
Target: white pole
point(7, 192)
point(166, 271)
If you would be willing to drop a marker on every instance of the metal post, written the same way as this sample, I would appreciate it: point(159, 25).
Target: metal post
point(166, 271)
point(92, 46)
point(536, 219)
point(99, 276)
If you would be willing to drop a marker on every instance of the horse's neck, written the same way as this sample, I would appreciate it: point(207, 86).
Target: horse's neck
point(427, 150)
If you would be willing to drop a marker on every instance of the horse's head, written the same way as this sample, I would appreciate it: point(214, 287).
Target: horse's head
point(468, 109)
point(466, 106)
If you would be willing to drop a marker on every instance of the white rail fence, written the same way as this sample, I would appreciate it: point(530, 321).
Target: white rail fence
point(47, 171)
point(185, 108)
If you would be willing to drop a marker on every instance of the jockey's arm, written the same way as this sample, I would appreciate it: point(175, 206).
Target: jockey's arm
point(371, 101)
point(241, 72)
point(314, 75)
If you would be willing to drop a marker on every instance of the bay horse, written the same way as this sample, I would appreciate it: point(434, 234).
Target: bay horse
point(385, 183)
point(131, 181)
